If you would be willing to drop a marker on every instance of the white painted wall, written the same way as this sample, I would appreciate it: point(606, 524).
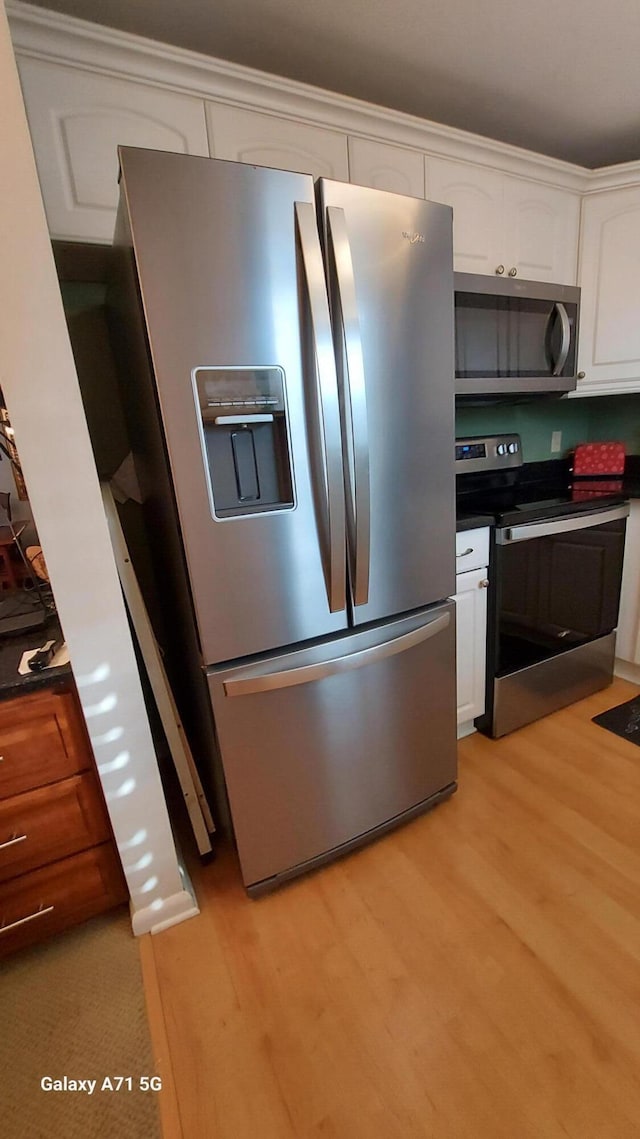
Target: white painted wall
point(40, 385)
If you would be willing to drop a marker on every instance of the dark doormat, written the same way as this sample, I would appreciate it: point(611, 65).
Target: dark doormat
point(624, 720)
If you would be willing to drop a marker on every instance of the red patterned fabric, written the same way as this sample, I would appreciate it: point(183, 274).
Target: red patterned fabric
point(599, 459)
point(595, 489)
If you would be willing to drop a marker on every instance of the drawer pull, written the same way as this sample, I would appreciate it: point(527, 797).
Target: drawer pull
point(13, 840)
point(40, 912)
point(464, 553)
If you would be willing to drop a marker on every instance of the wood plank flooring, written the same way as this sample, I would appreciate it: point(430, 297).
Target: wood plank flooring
point(473, 975)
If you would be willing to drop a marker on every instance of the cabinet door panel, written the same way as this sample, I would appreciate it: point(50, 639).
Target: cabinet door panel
point(628, 638)
point(609, 346)
point(266, 140)
point(476, 196)
point(541, 231)
point(471, 633)
point(77, 121)
point(386, 167)
point(49, 823)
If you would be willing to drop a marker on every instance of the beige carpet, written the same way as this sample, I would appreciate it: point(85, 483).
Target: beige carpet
point(74, 1007)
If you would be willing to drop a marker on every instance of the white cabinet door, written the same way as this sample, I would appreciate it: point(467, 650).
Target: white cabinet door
point(78, 119)
point(628, 638)
point(609, 275)
point(266, 140)
point(502, 223)
point(541, 231)
point(471, 635)
point(476, 195)
point(386, 167)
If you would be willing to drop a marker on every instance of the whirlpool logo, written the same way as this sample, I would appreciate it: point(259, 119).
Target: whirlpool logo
point(413, 238)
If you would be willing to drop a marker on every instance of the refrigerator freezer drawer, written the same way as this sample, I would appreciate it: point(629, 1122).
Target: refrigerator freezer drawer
point(325, 744)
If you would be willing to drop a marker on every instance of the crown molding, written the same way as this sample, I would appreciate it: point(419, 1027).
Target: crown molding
point(619, 177)
point(43, 34)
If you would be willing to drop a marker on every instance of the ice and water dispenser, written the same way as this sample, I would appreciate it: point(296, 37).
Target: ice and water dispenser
point(245, 439)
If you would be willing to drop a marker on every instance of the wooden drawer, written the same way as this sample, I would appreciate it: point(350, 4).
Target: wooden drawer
point(64, 893)
point(42, 739)
point(51, 822)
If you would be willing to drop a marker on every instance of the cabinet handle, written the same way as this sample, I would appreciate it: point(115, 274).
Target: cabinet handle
point(500, 270)
point(581, 376)
point(40, 912)
point(464, 553)
point(484, 584)
point(513, 272)
point(13, 840)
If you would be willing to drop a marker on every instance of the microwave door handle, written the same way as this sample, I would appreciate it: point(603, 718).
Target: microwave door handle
point(566, 338)
point(356, 399)
point(327, 402)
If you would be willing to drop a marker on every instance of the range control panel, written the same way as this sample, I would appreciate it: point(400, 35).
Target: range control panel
point(488, 453)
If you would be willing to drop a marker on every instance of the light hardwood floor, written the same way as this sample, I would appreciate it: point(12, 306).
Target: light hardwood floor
point(474, 974)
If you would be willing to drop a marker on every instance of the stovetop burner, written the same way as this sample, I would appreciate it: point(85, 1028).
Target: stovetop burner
point(501, 486)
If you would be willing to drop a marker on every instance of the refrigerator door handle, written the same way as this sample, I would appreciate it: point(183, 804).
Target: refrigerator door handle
point(355, 401)
point(287, 677)
point(328, 406)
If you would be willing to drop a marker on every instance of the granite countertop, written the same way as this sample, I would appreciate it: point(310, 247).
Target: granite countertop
point(12, 683)
point(472, 521)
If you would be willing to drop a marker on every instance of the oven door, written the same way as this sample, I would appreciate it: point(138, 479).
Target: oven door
point(557, 594)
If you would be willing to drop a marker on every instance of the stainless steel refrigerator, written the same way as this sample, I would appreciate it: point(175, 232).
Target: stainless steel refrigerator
point(291, 379)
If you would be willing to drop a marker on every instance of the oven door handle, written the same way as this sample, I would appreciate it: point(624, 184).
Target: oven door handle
point(563, 525)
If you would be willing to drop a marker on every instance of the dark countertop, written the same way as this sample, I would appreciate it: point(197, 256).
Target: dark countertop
point(11, 650)
point(472, 521)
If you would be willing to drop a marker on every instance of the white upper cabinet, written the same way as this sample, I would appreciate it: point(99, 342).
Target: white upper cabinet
point(609, 339)
point(386, 167)
point(78, 119)
point(541, 231)
point(476, 196)
point(507, 225)
point(266, 140)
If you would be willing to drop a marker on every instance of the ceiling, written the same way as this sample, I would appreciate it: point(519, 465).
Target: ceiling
point(561, 77)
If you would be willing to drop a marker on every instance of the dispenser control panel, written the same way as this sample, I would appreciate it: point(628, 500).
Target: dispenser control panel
point(245, 439)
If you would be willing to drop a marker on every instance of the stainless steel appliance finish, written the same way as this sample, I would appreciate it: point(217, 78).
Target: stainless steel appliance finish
point(530, 693)
point(217, 262)
point(514, 337)
point(390, 284)
point(327, 743)
point(563, 525)
point(303, 376)
point(555, 575)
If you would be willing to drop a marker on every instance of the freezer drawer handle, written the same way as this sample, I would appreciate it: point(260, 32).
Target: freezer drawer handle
point(307, 673)
point(356, 405)
point(328, 408)
point(531, 530)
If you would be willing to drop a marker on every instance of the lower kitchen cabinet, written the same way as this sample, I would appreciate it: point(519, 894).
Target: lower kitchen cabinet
point(628, 637)
point(472, 557)
point(58, 861)
point(471, 634)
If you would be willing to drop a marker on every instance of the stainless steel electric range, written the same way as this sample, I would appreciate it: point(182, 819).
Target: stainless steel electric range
point(555, 572)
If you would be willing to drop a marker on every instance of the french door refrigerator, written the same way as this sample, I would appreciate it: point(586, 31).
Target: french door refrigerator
point(289, 353)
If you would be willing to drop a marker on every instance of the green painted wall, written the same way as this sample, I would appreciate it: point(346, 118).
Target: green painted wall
point(602, 418)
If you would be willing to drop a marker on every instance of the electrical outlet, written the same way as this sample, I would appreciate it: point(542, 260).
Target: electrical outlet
point(556, 442)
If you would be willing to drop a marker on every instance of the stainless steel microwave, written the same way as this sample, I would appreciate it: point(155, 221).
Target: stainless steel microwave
point(514, 337)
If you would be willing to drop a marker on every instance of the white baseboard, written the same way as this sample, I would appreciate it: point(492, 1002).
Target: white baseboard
point(163, 914)
point(627, 670)
point(466, 729)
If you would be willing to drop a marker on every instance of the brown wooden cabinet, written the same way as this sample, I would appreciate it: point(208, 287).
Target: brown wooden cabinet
point(58, 861)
